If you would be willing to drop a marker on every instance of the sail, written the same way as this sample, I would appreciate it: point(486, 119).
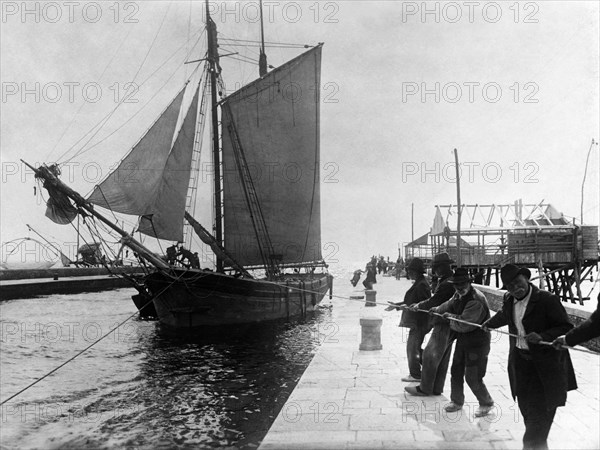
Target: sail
point(277, 123)
point(164, 217)
point(438, 223)
point(131, 188)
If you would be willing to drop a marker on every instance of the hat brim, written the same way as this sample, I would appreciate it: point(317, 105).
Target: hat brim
point(439, 263)
point(460, 280)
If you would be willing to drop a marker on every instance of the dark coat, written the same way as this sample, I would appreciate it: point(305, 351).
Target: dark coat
point(586, 330)
point(418, 292)
point(546, 316)
point(443, 292)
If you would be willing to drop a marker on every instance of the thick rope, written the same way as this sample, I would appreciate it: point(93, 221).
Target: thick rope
point(84, 350)
point(584, 350)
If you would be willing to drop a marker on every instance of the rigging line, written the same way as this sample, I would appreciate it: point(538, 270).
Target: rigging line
point(125, 97)
point(82, 150)
point(244, 61)
point(266, 42)
point(87, 348)
point(68, 127)
point(104, 242)
point(134, 77)
point(238, 55)
point(267, 46)
point(155, 234)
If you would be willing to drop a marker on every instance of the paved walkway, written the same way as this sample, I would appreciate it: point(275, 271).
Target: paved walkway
point(351, 399)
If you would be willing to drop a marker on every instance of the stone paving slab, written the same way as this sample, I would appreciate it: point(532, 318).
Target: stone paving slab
point(351, 399)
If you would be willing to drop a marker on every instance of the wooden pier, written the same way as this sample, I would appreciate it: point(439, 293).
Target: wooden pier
point(535, 236)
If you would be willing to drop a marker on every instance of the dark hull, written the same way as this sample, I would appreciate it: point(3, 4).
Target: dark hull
point(195, 299)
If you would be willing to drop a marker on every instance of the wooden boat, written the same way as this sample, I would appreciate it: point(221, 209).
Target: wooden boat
point(266, 239)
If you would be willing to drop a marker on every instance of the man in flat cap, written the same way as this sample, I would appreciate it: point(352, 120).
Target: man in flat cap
point(539, 375)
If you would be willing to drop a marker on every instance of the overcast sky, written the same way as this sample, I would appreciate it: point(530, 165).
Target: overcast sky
point(512, 85)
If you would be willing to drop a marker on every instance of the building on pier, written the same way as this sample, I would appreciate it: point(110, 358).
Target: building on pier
point(536, 236)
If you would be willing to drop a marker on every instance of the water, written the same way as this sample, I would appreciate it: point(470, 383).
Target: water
point(139, 387)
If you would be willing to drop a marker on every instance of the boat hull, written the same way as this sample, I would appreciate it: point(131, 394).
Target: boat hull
point(196, 299)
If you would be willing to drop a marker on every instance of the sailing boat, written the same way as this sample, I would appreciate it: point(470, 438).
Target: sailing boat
point(266, 228)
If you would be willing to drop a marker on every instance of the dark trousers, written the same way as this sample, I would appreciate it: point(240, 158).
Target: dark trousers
point(538, 417)
point(470, 363)
point(436, 358)
point(414, 352)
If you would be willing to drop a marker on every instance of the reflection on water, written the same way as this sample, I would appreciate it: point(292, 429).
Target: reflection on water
point(140, 387)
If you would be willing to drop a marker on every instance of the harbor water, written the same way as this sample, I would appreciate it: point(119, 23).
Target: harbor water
point(139, 387)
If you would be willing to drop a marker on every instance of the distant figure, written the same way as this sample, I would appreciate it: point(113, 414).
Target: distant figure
point(187, 258)
point(172, 254)
point(356, 277)
point(399, 267)
point(371, 277)
point(195, 262)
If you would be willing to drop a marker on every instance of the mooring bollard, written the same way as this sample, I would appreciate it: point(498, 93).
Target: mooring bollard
point(370, 297)
point(370, 323)
point(371, 333)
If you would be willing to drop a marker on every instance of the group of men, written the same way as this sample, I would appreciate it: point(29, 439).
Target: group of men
point(539, 375)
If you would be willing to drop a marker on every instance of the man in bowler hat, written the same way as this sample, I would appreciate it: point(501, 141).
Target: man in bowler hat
point(539, 375)
point(436, 355)
point(418, 323)
point(472, 343)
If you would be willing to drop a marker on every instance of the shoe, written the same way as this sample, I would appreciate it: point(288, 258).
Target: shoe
point(415, 390)
point(483, 411)
point(410, 379)
point(452, 407)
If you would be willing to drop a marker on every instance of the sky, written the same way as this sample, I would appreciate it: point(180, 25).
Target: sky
point(513, 86)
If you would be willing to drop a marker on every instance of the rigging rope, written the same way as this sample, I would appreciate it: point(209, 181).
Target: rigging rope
point(88, 347)
point(105, 118)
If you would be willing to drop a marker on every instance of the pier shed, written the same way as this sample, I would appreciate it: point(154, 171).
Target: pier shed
point(537, 236)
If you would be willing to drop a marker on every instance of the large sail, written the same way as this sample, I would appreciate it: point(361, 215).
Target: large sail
point(132, 187)
point(277, 123)
point(164, 218)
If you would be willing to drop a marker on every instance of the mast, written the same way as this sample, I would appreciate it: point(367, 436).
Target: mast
point(262, 59)
point(213, 64)
point(458, 254)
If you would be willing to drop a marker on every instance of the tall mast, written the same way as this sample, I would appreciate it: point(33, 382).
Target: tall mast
point(213, 57)
point(262, 59)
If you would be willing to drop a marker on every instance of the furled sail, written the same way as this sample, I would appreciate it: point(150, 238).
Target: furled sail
point(164, 218)
point(132, 187)
point(277, 123)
